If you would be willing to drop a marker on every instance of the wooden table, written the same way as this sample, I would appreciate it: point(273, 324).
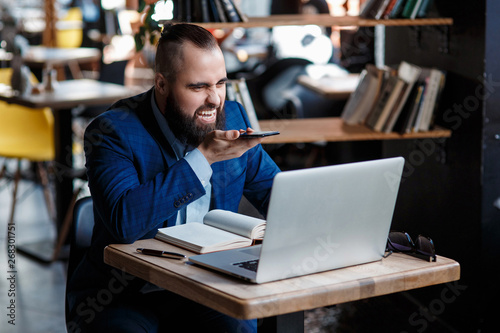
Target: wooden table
point(53, 57)
point(333, 129)
point(286, 299)
point(66, 96)
point(339, 87)
point(71, 93)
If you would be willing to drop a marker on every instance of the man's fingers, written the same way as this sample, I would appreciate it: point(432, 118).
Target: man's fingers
point(232, 135)
point(226, 135)
point(222, 145)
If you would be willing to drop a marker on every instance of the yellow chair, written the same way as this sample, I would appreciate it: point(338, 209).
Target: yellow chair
point(26, 133)
point(69, 29)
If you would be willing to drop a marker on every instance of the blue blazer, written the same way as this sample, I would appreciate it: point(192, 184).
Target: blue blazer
point(138, 186)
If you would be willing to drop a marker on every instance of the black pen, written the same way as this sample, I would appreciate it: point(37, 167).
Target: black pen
point(159, 253)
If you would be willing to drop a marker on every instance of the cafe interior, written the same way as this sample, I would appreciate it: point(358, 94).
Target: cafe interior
point(446, 195)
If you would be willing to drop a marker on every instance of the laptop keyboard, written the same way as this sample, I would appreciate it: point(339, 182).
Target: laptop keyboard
point(251, 265)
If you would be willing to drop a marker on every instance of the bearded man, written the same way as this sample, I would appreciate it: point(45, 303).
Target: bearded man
point(162, 158)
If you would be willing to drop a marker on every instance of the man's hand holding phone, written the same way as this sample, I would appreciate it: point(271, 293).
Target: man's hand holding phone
point(224, 145)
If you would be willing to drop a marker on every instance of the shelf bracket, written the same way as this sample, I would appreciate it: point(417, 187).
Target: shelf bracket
point(443, 32)
point(416, 37)
point(425, 148)
point(444, 38)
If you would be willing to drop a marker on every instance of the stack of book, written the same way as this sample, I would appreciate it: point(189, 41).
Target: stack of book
point(391, 9)
point(400, 100)
point(208, 11)
point(237, 90)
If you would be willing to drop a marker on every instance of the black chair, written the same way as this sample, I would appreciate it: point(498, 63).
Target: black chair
point(80, 235)
point(267, 88)
point(302, 102)
point(276, 94)
point(81, 231)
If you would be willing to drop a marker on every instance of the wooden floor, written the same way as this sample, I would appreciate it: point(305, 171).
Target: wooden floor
point(39, 288)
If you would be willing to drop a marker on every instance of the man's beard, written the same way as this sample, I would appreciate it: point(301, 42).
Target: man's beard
point(185, 128)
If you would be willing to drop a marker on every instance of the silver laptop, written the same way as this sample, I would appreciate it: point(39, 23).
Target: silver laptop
point(319, 219)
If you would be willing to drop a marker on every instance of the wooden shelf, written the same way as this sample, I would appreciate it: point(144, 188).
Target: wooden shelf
point(322, 20)
point(333, 130)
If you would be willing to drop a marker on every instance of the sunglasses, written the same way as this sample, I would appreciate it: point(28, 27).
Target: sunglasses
point(402, 242)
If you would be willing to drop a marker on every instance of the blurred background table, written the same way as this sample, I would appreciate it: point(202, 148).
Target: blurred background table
point(52, 57)
point(66, 96)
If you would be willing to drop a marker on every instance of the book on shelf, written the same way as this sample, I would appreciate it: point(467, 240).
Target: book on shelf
point(389, 8)
point(237, 90)
point(188, 11)
point(178, 11)
point(219, 10)
point(381, 10)
point(196, 13)
point(350, 113)
point(208, 11)
point(248, 104)
point(392, 9)
point(410, 74)
point(243, 16)
point(397, 10)
point(205, 11)
point(360, 102)
point(230, 11)
point(424, 8)
point(416, 9)
point(406, 120)
point(394, 108)
point(212, 11)
point(230, 93)
point(237, 95)
point(411, 9)
point(373, 9)
point(220, 230)
point(419, 113)
point(434, 84)
point(385, 103)
point(200, 11)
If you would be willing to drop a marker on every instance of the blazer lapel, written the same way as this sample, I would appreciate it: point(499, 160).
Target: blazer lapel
point(149, 121)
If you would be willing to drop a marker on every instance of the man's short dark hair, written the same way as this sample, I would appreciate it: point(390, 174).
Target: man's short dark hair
point(169, 50)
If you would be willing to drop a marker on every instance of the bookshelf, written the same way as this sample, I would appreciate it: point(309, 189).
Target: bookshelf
point(322, 20)
point(338, 130)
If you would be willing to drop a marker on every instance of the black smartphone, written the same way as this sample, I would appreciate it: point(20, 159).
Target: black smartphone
point(258, 134)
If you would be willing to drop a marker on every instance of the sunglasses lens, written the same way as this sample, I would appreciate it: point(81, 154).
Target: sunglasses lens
point(400, 241)
point(425, 245)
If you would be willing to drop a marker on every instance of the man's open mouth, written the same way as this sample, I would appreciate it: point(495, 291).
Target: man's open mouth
point(207, 116)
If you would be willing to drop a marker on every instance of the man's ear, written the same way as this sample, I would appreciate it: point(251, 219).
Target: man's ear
point(161, 84)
